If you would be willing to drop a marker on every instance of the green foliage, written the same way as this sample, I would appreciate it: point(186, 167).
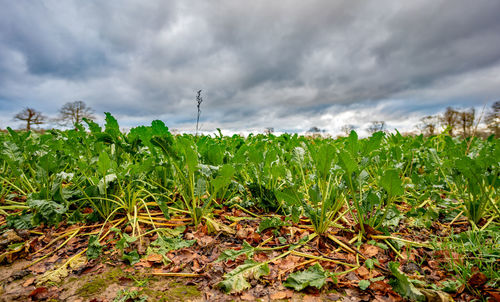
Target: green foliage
point(163, 244)
point(402, 285)
point(132, 257)
point(247, 250)
point(59, 175)
point(94, 248)
point(20, 222)
point(46, 211)
point(314, 276)
point(272, 222)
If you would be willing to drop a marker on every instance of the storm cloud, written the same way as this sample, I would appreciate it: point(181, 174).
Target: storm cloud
point(289, 65)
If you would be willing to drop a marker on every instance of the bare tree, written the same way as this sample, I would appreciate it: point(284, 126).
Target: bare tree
point(428, 124)
point(314, 129)
point(72, 113)
point(269, 130)
point(449, 119)
point(376, 126)
point(493, 119)
point(347, 129)
point(31, 117)
point(466, 121)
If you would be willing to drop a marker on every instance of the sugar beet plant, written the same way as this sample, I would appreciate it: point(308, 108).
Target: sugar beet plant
point(100, 173)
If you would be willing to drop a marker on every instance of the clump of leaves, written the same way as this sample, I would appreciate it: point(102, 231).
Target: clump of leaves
point(46, 211)
point(20, 222)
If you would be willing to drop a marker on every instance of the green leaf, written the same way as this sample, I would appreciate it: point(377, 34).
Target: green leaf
point(391, 182)
point(93, 126)
point(20, 222)
point(314, 276)
point(111, 126)
point(46, 211)
point(363, 284)
point(94, 247)
point(370, 263)
point(163, 245)
point(352, 143)
point(402, 284)
point(124, 241)
point(247, 250)
point(347, 162)
point(132, 257)
point(173, 232)
point(273, 222)
point(236, 280)
point(103, 163)
point(164, 208)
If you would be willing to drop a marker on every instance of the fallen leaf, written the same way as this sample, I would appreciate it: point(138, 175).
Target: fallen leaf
point(143, 263)
point(37, 292)
point(28, 282)
point(311, 298)
point(38, 268)
point(247, 297)
point(363, 272)
point(380, 286)
point(495, 295)
point(284, 294)
point(477, 280)
point(157, 258)
point(370, 250)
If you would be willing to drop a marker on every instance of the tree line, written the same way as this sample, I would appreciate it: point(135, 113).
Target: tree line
point(462, 122)
point(70, 114)
point(455, 121)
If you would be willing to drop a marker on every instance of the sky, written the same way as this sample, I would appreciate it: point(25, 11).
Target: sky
point(289, 65)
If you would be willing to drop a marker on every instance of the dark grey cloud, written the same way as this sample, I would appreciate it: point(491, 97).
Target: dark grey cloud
point(286, 64)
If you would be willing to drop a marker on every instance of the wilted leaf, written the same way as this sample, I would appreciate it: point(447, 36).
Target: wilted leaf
point(94, 247)
point(314, 276)
point(236, 280)
point(402, 284)
point(132, 257)
point(273, 222)
point(247, 250)
point(163, 245)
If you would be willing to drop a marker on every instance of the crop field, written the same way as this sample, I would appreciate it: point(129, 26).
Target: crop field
point(96, 214)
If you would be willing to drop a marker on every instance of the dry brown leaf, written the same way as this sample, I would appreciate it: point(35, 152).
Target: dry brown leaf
point(284, 294)
point(370, 250)
point(38, 268)
point(288, 263)
point(143, 263)
point(477, 280)
point(157, 258)
point(248, 297)
point(29, 282)
point(363, 272)
point(311, 298)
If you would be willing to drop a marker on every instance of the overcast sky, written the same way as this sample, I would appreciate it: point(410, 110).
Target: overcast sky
point(290, 65)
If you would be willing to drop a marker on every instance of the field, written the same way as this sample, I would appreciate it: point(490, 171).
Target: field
point(102, 215)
